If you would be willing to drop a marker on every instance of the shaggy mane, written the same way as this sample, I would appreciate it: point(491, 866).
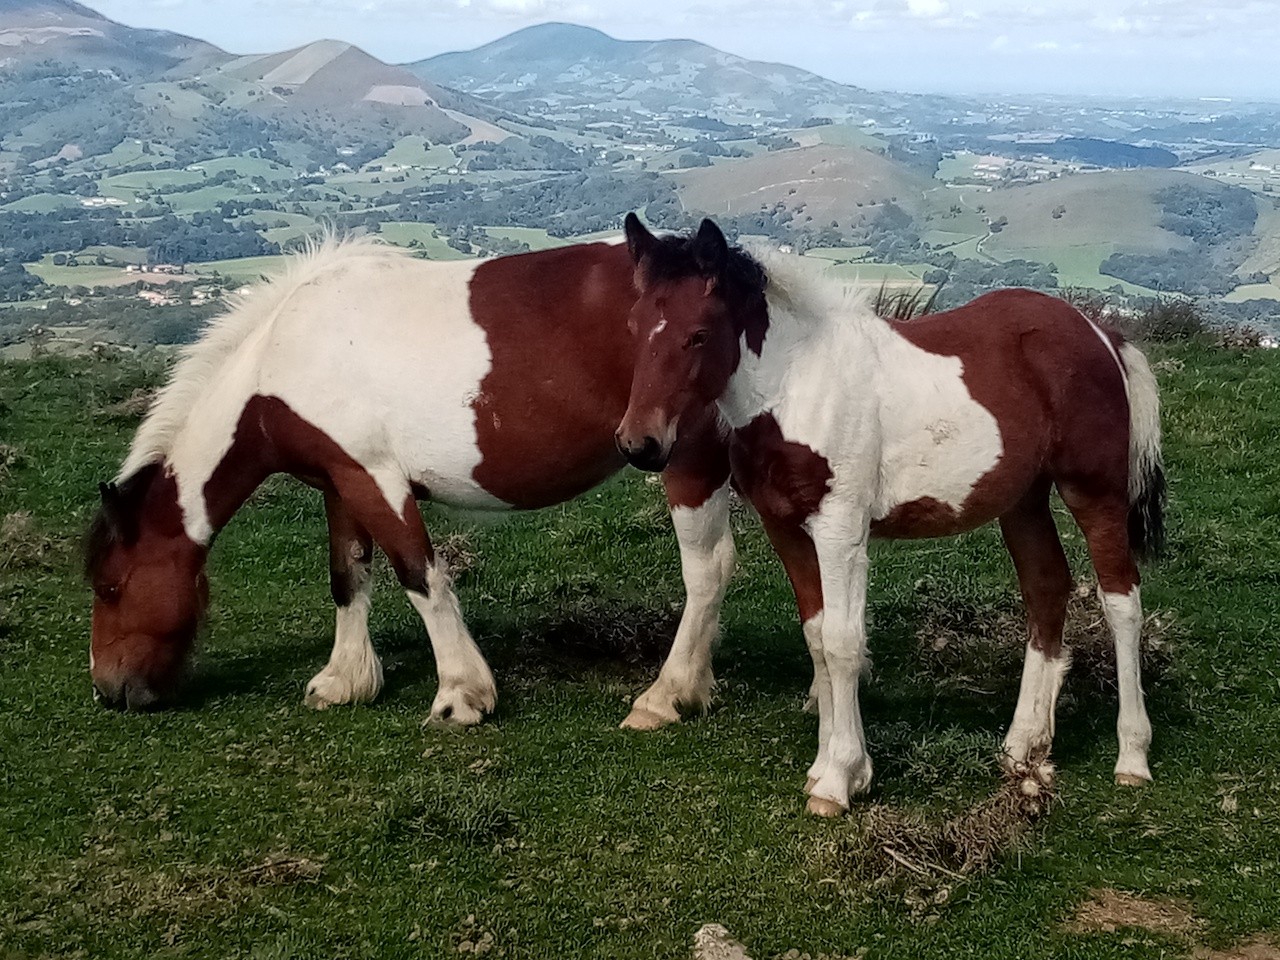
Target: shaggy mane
point(198, 364)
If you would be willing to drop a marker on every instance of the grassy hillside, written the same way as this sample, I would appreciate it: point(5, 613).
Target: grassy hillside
point(823, 182)
point(245, 825)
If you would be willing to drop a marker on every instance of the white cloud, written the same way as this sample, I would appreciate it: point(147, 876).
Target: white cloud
point(928, 9)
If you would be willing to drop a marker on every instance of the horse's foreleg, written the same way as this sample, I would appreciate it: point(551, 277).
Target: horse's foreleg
point(795, 549)
point(354, 672)
point(1045, 580)
point(466, 689)
point(841, 543)
point(707, 562)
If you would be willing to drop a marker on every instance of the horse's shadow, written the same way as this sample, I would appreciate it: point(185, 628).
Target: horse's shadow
point(968, 687)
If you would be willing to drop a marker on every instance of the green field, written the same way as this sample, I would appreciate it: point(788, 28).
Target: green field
point(242, 269)
point(245, 825)
point(405, 233)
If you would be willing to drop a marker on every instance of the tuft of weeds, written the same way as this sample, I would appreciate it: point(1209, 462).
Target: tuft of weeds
point(132, 407)
point(464, 814)
point(891, 846)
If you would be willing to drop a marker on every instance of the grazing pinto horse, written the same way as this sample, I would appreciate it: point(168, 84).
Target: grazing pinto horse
point(382, 379)
point(845, 426)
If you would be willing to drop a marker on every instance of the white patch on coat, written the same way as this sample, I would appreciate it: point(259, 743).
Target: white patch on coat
point(347, 319)
point(896, 423)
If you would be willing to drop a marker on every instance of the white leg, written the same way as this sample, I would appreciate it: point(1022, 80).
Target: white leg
point(1124, 616)
point(466, 688)
point(354, 672)
point(842, 558)
point(820, 695)
point(1030, 735)
point(707, 562)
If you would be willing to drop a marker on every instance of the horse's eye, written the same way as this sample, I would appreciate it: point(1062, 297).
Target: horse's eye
point(109, 593)
point(699, 338)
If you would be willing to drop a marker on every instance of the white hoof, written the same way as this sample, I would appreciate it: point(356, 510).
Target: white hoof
point(463, 705)
point(642, 718)
point(331, 688)
point(822, 807)
point(1133, 772)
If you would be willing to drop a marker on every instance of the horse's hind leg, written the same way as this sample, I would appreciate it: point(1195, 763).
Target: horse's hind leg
point(466, 689)
point(354, 672)
point(698, 494)
point(1045, 580)
point(1104, 520)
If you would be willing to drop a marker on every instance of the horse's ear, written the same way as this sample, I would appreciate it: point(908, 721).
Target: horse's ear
point(116, 513)
point(639, 240)
point(710, 249)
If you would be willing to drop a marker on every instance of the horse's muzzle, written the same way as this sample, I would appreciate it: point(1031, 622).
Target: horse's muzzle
point(647, 453)
point(131, 694)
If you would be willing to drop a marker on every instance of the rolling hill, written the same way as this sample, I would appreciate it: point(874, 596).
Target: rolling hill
point(822, 182)
point(62, 30)
point(561, 63)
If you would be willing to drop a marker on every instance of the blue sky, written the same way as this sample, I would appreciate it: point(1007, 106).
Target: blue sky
point(1185, 48)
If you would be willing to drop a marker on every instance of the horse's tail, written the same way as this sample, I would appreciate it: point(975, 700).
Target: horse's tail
point(1146, 466)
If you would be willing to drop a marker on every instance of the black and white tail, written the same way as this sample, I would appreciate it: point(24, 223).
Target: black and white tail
point(1146, 468)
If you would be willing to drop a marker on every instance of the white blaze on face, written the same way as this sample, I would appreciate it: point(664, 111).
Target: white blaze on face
point(662, 325)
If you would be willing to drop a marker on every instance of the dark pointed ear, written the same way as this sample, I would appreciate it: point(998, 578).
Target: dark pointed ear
point(710, 249)
point(119, 518)
point(639, 240)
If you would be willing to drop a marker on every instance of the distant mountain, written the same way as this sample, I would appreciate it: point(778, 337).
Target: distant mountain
point(560, 64)
point(62, 30)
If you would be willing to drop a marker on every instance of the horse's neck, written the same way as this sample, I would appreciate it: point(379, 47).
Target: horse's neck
point(217, 459)
point(798, 351)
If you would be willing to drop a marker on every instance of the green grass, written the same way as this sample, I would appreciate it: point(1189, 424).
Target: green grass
point(244, 825)
point(403, 233)
point(243, 269)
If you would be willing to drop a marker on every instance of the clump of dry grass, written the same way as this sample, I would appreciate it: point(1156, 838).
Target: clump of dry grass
point(132, 407)
point(10, 457)
point(457, 553)
point(23, 545)
point(1108, 910)
point(893, 846)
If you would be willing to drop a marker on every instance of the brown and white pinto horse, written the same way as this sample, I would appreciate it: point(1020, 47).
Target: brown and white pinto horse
point(845, 426)
point(382, 379)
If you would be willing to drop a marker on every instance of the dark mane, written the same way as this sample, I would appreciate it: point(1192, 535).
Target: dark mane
point(672, 258)
point(117, 520)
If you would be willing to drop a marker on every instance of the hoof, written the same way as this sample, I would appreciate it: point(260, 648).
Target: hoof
point(822, 807)
point(1132, 780)
point(461, 707)
point(331, 690)
point(642, 719)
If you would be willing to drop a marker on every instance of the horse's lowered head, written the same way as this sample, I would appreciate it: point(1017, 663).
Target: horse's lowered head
point(150, 592)
point(698, 296)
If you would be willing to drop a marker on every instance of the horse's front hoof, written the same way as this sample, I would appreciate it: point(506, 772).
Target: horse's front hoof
point(457, 706)
point(1132, 780)
point(330, 689)
point(641, 718)
point(822, 807)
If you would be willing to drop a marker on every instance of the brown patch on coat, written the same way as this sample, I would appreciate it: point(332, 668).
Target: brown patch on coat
point(271, 438)
point(562, 356)
point(699, 464)
point(783, 479)
point(1108, 910)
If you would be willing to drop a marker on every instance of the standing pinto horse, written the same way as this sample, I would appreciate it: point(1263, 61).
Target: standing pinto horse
point(845, 426)
point(382, 379)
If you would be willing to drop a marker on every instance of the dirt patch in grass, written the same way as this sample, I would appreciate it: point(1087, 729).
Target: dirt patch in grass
point(457, 552)
point(23, 545)
point(967, 645)
point(1258, 948)
point(633, 637)
point(1108, 910)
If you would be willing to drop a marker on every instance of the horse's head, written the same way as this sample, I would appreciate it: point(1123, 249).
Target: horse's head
point(697, 297)
point(150, 592)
